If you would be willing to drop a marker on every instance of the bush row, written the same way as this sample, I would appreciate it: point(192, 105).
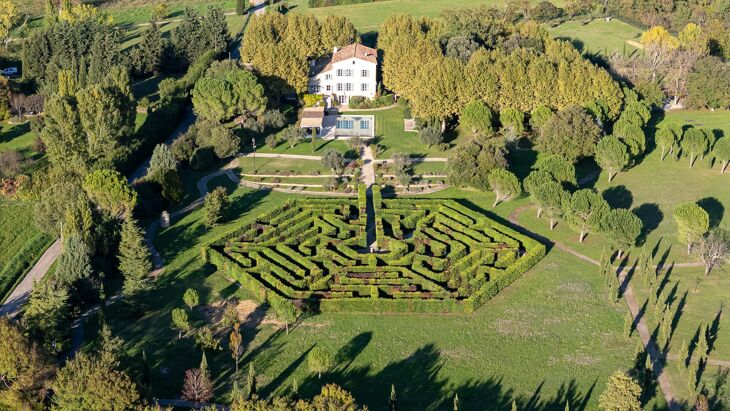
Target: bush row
point(363, 103)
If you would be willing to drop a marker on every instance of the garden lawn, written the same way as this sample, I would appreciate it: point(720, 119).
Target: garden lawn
point(133, 34)
point(281, 166)
point(369, 16)
point(389, 134)
point(122, 13)
point(149, 87)
point(717, 120)
point(303, 148)
point(549, 338)
point(16, 137)
point(21, 243)
point(598, 36)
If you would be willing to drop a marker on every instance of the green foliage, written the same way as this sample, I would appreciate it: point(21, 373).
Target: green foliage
point(227, 91)
point(621, 228)
point(148, 56)
point(216, 206)
point(504, 184)
point(293, 135)
point(48, 314)
point(134, 260)
point(570, 133)
point(471, 162)
point(539, 116)
point(632, 135)
point(172, 188)
point(430, 136)
point(708, 85)
point(93, 383)
point(190, 298)
point(622, 393)
point(692, 223)
point(558, 167)
point(611, 155)
point(319, 360)
point(334, 159)
point(694, 143)
point(721, 151)
point(513, 123)
point(109, 190)
point(25, 368)
point(218, 137)
point(478, 117)
point(180, 321)
point(74, 263)
point(666, 140)
point(549, 198)
point(196, 34)
point(162, 161)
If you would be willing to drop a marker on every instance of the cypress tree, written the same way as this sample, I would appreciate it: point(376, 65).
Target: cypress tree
point(683, 355)
point(204, 363)
point(74, 263)
point(134, 260)
point(701, 348)
point(295, 390)
point(250, 382)
point(628, 324)
point(393, 401)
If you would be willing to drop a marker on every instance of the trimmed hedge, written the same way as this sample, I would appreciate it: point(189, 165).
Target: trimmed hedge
point(436, 256)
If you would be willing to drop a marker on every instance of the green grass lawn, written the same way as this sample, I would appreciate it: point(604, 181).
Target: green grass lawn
point(16, 136)
point(149, 87)
point(133, 33)
point(369, 16)
point(281, 165)
point(598, 36)
point(21, 243)
point(716, 120)
point(389, 133)
point(548, 338)
point(128, 14)
point(303, 148)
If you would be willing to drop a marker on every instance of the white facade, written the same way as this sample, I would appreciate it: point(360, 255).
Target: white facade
point(351, 71)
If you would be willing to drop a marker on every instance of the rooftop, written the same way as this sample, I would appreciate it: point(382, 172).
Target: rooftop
point(354, 50)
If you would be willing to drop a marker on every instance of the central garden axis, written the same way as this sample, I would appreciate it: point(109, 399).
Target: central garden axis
point(432, 256)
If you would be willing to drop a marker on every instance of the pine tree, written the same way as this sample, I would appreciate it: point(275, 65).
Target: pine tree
point(134, 261)
point(148, 56)
point(48, 313)
point(74, 263)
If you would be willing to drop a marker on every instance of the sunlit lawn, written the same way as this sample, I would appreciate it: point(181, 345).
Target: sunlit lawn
point(599, 36)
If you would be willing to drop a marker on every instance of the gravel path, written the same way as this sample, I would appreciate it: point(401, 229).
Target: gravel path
point(20, 295)
point(368, 167)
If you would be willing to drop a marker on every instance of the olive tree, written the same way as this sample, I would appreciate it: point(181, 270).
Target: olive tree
point(334, 159)
point(504, 184)
point(692, 223)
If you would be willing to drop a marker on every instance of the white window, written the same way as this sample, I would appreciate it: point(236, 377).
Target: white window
point(342, 99)
point(364, 73)
point(364, 124)
point(364, 87)
point(339, 72)
point(315, 89)
point(348, 86)
point(348, 73)
point(339, 86)
point(328, 76)
point(329, 88)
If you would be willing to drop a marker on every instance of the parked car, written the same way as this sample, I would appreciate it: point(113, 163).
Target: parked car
point(10, 71)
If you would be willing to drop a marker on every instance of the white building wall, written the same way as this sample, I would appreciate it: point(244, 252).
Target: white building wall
point(347, 78)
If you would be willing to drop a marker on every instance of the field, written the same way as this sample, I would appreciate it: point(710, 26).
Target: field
point(20, 243)
point(16, 137)
point(598, 36)
point(369, 16)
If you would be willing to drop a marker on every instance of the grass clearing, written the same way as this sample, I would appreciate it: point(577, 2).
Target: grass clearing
point(281, 166)
point(304, 147)
point(369, 16)
point(16, 137)
point(598, 36)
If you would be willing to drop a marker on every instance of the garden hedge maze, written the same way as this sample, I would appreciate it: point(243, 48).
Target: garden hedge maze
point(429, 256)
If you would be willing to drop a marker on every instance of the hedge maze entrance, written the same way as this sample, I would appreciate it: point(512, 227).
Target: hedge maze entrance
point(429, 256)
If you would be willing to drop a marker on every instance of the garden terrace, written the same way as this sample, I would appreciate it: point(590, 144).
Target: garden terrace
point(428, 256)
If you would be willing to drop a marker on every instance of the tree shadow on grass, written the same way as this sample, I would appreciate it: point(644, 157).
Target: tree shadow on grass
point(714, 208)
point(651, 216)
point(618, 197)
point(419, 386)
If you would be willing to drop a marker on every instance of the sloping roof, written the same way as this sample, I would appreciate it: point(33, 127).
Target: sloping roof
point(312, 117)
point(354, 50)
